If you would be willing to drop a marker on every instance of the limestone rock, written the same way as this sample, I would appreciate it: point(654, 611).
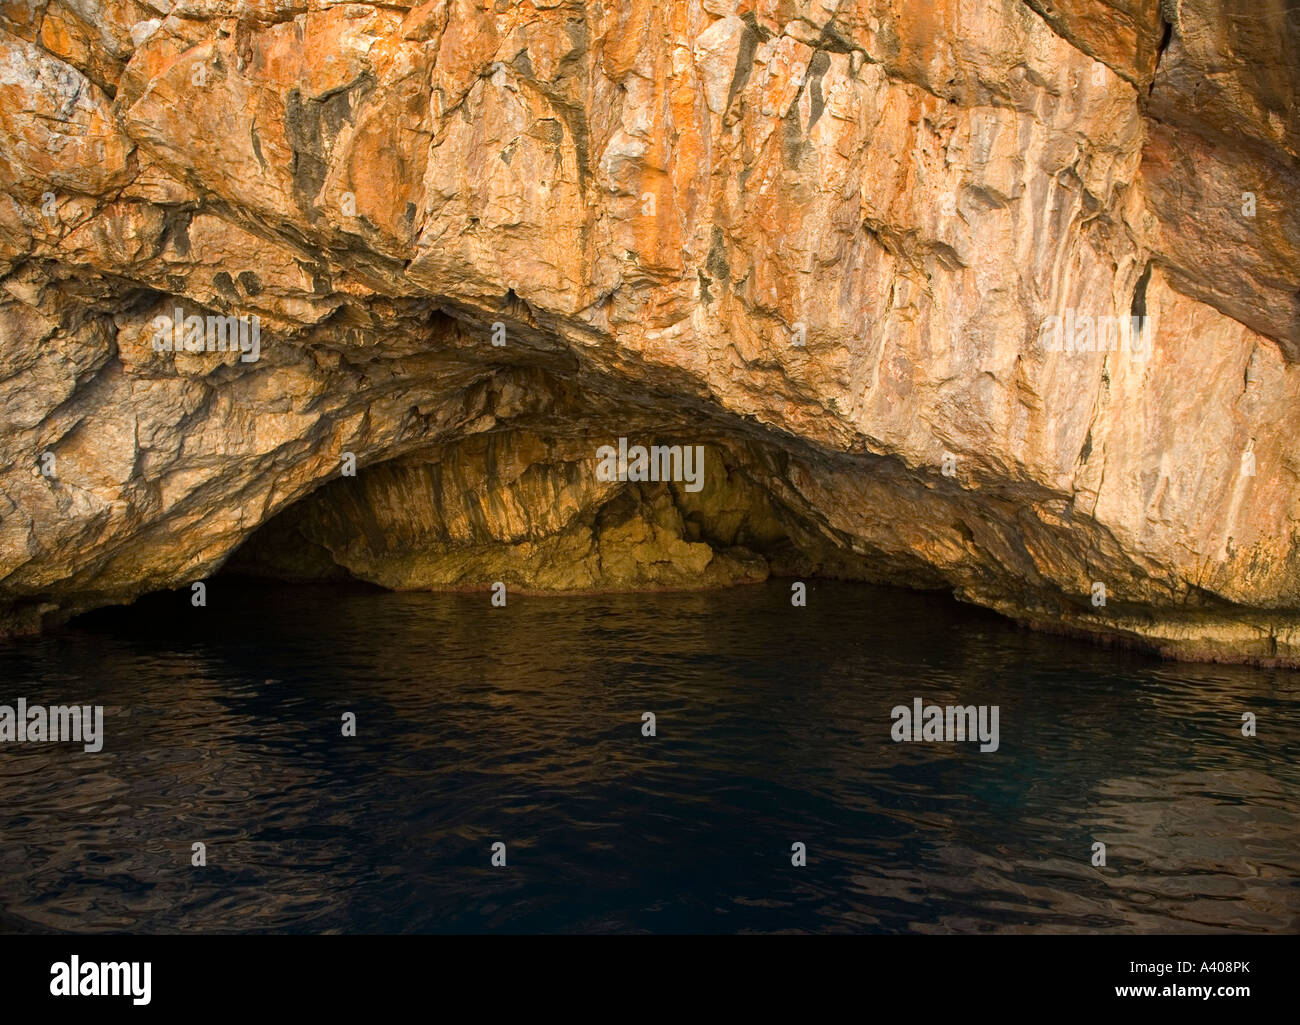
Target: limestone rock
point(878, 256)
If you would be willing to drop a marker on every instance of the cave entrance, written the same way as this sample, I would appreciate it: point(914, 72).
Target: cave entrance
point(546, 514)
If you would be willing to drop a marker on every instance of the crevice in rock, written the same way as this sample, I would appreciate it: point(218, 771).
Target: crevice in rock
point(1166, 37)
point(1138, 308)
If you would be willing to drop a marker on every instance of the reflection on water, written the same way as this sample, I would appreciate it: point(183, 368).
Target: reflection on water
point(523, 725)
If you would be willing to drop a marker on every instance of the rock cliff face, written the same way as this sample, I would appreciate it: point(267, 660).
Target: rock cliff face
point(879, 258)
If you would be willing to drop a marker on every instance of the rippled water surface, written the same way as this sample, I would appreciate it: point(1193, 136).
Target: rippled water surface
point(523, 725)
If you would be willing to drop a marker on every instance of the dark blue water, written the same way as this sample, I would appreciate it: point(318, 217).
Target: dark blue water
point(524, 725)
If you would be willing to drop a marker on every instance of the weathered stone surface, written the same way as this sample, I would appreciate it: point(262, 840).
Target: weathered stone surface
point(821, 239)
point(1221, 167)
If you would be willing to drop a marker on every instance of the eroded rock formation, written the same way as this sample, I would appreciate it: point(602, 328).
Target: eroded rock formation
point(822, 239)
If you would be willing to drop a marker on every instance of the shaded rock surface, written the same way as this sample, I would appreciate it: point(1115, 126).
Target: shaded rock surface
point(820, 238)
